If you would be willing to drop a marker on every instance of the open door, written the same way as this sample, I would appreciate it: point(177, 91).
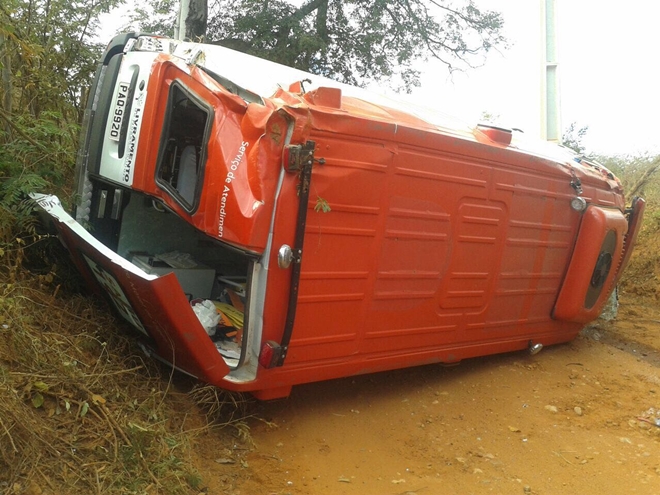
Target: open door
point(155, 306)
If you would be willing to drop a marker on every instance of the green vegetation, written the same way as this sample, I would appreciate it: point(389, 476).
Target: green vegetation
point(640, 177)
point(47, 59)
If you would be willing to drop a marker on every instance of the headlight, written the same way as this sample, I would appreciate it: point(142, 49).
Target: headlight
point(579, 204)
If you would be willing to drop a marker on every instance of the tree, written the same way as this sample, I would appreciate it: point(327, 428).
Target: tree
point(573, 138)
point(47, 60)
point(637, 172)
point(50, 51)
point(192, 19)
point(353, 41)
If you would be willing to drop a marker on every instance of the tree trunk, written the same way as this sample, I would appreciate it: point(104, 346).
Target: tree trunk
point(7, 97)
point(193, 17)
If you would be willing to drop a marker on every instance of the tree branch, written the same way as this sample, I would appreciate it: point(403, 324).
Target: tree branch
point(308, 8)
point(322, 21)
point(20, 131)
point(643, 180)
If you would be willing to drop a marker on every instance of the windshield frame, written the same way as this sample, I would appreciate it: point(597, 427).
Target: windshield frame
point(169, 159)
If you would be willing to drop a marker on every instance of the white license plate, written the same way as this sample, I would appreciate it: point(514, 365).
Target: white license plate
point(116, 116)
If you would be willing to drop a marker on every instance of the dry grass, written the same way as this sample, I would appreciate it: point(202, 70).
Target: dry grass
point(81, 411)
point(642, 277)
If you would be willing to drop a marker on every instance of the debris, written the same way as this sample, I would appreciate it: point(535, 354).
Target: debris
point(551, 408)
point(207, 314)
point(562, 452)
point(646, 420)
point(514, 429)
point(578, 410)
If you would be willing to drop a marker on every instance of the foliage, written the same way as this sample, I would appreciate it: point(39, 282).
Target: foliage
point(640, 177)
point(47, 59)
point(155, 16)
point(322, 205)
point(638, 174)
point(573, 138)
point(353, 41)
point(38, 158)
point(52, 52)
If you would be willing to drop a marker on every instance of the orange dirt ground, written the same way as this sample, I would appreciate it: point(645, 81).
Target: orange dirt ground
point(576, 418)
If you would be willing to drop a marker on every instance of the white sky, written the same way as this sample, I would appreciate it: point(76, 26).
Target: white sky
point(609, 79)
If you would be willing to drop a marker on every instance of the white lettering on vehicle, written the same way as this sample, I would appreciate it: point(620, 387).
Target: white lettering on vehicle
point(131, 141)
point(114, 290)
point(48, 202)
point(233, 167)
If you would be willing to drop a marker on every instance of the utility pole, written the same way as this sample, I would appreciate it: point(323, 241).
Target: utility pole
point(550, 104)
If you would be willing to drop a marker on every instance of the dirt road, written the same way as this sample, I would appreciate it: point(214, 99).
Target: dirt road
point(576, 418)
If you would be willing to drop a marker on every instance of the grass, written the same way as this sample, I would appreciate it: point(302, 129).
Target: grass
point(81, 410)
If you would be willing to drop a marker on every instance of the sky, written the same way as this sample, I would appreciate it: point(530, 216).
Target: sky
point(609, 79)
point(608, 76)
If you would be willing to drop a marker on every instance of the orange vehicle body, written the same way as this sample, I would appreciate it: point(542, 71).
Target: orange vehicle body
point(440, 243)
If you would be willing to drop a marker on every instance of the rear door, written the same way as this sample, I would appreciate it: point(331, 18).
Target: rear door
point(155, 306)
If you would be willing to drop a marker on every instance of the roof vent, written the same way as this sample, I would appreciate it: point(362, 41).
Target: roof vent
point(497, 134)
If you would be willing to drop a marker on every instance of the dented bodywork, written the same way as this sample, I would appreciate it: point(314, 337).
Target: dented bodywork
point(351, 233)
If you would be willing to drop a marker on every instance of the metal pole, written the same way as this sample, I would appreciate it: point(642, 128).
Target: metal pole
point(550, 104)
point(180, 29)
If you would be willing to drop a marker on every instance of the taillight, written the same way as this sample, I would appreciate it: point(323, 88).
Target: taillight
point(270, 355)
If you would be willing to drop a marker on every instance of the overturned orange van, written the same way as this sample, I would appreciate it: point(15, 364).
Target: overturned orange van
point(261, 227)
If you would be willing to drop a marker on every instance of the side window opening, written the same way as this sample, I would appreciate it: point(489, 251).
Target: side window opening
point(183, 146)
